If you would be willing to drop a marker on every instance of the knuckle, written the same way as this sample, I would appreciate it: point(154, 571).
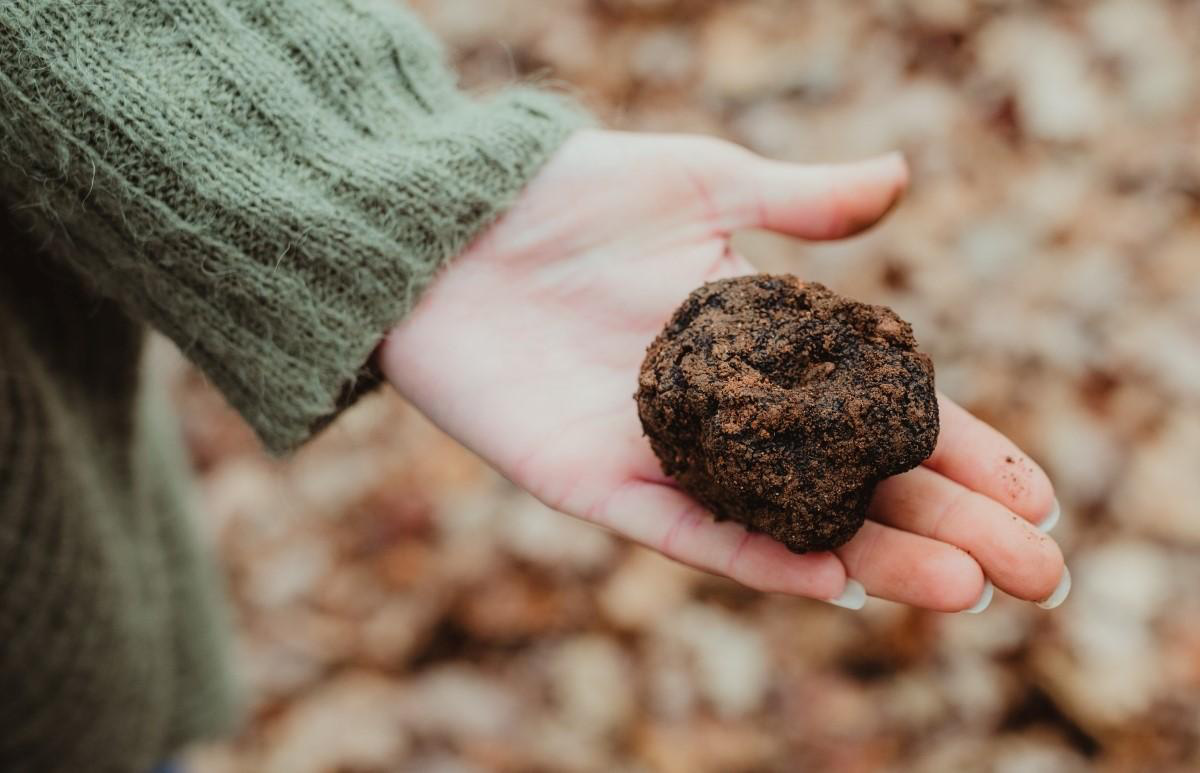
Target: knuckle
point(957, 508)
point(955, 583)
point(749, 566)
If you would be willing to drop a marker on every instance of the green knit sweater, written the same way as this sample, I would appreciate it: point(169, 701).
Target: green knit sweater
point(270, 183)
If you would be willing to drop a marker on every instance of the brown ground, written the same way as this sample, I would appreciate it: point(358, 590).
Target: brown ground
point(401, 608)
point(781, 405)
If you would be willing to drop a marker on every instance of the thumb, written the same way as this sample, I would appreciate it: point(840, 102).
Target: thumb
point(824, 201)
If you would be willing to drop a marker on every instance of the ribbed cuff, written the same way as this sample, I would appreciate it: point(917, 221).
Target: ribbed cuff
point(486, 154)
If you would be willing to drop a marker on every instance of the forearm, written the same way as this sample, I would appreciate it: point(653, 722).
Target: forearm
point(270, 184)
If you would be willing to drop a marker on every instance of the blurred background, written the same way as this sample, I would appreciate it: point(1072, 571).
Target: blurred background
point(400, 607)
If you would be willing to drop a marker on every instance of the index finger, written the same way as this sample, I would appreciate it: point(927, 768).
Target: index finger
point(975, 455)
point(665, 519)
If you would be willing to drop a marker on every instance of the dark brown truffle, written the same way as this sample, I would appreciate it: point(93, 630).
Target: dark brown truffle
point(780, 404)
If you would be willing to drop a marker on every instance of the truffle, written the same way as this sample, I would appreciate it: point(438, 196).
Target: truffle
point(781, 404)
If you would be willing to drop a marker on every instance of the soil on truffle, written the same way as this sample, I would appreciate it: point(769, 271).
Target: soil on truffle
point(781, 404)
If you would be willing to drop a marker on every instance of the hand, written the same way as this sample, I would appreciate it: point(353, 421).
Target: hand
point(527, 349)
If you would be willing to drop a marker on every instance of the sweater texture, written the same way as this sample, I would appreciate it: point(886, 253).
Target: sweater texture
point(270, 183)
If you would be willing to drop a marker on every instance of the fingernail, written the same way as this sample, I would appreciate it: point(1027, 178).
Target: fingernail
point(853, 596)
point(884, 160)
point(985, 598)
point(1050, 521)
point(1060, 593)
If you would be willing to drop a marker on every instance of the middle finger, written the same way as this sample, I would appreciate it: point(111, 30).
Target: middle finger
point(1017, 557)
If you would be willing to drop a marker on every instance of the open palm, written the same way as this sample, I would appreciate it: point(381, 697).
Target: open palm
point(527, 349)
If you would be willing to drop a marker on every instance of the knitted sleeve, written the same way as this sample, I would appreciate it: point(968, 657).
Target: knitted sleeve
point(270, 183)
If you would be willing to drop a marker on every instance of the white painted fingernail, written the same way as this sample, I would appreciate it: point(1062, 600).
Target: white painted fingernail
point(853, 596)
point(985, 598)
point(1050, 521)
point(1060, 593)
